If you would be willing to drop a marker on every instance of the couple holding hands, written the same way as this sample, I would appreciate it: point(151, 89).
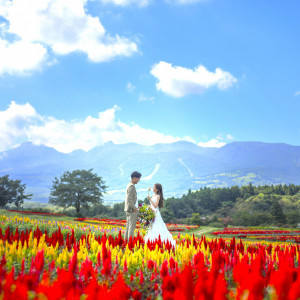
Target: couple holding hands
point(158, 227)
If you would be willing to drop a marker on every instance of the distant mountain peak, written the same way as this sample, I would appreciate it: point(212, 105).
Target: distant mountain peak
point(181, 145)
point(180, 165)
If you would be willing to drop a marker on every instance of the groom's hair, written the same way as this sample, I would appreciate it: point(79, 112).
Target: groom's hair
point(136, 174)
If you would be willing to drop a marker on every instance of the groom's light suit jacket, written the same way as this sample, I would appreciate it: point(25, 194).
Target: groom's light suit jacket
point(131, 198)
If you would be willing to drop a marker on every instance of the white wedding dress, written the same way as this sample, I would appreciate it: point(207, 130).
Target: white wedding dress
point(158, 227)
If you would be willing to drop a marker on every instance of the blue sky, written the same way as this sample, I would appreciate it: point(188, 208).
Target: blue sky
point(59, 85)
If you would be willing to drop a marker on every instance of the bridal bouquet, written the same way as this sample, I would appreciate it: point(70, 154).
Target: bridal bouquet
point(146, 215)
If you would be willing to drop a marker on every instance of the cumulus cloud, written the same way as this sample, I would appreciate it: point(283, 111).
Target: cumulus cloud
point(21, 122)
point(57, 26)
point(14, 123)
point(178, 81)
point(297, 93)
point(212, 143)
point(21, 57)
point(218, 141)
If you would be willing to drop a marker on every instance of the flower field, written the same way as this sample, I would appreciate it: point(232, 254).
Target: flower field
point(261, 234)
point(36, 212)
point(44, 259)
point(171, 227)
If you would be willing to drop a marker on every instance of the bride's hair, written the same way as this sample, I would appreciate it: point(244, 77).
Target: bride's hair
point(160, 193)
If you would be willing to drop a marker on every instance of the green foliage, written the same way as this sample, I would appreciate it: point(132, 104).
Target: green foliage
point(244, 218)
point(293, 218)
point(195, 219)
point(167, 215)
point(249, 201)
point(247, 205)
point(12, 191)
point(231, 202)
point(277, 213)
point(7, 191)
point(146, 201)
point(19, 198)
point(79, 188)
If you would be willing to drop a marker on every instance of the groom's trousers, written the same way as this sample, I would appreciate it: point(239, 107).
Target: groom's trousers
point(130, 224)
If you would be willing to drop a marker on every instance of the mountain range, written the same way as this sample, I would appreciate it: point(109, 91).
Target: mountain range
point(178, 166)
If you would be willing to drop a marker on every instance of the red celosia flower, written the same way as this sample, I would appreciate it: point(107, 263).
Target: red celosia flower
point(120, 290)
point(164, 271)
point(150, 264)
point(136, 295)
point(141, 277)
point(106, 267)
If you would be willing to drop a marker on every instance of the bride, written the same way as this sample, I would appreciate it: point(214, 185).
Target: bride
point(158, 227)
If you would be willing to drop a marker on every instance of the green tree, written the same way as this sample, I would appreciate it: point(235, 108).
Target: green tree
point(167, 215)
point(12, 191)
point(195, 219)
point(7, 191)
point(277, 213)
point(19, 195)
point(146, 201)
point(251, 189)
point(293, 218)
point(118, 210)
point(79, 188)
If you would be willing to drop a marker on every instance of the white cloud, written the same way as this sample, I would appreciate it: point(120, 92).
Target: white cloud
point(212, 143)
point(14, 122)
point(59, 26)
point(143, 97)
point(227, 137)
point(179, 81)
point(21, 57)
point(297, 93)
point(218, 142)
point(130, 87)
point(21, 122)
point(140, 3)
point(115, 191)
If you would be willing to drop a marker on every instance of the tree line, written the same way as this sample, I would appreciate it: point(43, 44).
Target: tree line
point(246, 205)
point(79, 189)
point(240, 205)
point(80, 193)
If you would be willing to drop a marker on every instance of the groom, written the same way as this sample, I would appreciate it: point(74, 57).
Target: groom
point(131, 205)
